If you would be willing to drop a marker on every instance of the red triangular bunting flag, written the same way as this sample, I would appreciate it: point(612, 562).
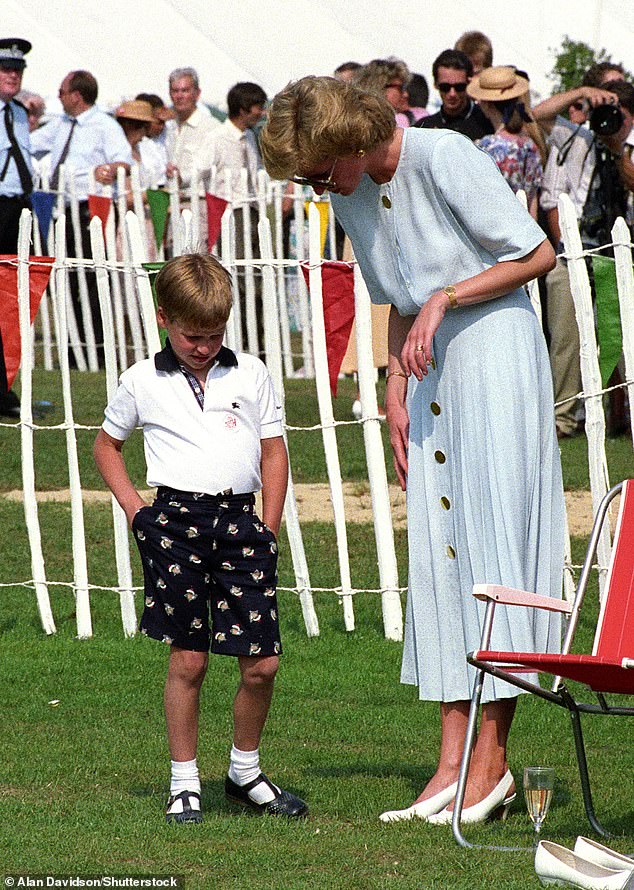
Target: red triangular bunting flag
point(215, 210)
point(39, 273)
point(99, 206)
point(338, 297)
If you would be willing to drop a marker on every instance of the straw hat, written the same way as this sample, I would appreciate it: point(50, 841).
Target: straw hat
point(135, 110)
point(497, 84)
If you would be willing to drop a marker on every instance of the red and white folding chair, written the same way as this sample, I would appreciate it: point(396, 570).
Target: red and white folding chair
point(610, 667)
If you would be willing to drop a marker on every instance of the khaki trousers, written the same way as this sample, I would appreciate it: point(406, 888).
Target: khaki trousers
point(564, 345)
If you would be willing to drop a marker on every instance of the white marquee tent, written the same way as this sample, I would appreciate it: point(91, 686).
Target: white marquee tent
point(132, 45)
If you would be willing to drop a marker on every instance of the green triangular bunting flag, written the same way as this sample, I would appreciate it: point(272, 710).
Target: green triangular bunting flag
point(154, 269)
point(608, 316)
point(159, 202)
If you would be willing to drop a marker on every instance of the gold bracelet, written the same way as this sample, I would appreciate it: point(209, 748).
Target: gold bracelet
point(450, 290)
point(395, 374)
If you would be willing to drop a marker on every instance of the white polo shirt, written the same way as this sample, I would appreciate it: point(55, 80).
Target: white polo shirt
point(193, 449)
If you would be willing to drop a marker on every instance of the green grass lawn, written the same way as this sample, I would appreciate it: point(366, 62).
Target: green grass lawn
point(83, 784)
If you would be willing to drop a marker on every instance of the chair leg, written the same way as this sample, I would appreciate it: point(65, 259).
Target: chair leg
point(464, 772)
point(466, 758)
point(583, 772)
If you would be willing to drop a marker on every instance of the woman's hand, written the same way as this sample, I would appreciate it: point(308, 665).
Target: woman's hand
point(416, 354)
point(398, 423)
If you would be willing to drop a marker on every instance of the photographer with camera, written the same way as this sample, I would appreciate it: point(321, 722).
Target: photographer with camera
point(592, 166)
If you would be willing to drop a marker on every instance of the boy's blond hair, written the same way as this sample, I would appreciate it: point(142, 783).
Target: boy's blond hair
point(195, 290)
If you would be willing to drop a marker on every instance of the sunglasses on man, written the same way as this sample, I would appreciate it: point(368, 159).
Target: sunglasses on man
point(446, 87)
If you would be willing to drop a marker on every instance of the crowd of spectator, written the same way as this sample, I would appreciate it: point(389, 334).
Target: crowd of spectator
point(567, 143)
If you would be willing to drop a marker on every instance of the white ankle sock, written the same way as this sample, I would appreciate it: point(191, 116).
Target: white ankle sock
point(244, 767)
point(185, 778)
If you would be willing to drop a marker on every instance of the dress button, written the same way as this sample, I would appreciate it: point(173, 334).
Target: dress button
point(440, 457)
point(451, 553)
point(386, 202)
point(445, 502)
point(435, 408)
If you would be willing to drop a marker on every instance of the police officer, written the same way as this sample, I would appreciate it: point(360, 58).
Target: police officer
point(15, 172)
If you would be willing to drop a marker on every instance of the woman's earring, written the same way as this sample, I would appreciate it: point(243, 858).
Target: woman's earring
point(361, 153)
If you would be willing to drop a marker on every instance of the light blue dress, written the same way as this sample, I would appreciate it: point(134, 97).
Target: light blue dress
point(485, 496)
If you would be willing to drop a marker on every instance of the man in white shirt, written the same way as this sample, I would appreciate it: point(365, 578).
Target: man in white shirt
point(82, 139)
point(189, 133)
point(232, 149)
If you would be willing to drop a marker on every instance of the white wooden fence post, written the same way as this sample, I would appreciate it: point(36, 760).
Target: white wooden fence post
point(248, 270)
point(625, 282)
point(228, 250)
point(175, 215)
point(590, 373)
point(282, 271)
point(194, 203)
point(80, 567)
point(304, 309)
point(375, 456)
point(120, 524)
point(82, 282)
point(131, 307)
point(138, 205)
point(26, 429)
point(274, 364)
point(144, 288)
point(326, 413)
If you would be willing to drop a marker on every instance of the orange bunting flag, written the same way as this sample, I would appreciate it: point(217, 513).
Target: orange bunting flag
point(338, 298)
point(215, 210)
point(99, 206)
point(39, 273)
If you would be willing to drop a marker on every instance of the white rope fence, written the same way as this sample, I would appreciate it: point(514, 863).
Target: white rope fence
point(131, 307)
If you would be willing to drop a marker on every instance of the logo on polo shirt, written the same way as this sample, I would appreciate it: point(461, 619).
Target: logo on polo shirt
point(230, 422)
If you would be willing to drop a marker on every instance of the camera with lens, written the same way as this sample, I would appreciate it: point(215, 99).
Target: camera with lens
point(606, 120)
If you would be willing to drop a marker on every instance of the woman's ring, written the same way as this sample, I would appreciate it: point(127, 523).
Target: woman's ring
point(420, 347)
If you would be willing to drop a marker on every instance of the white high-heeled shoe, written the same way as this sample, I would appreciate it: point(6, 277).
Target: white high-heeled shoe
point(558, 865)
point(483, 810)
point(424, 809)
point(595, 852)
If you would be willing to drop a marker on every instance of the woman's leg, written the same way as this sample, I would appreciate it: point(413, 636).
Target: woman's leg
point(488, 760)
point(453, 726)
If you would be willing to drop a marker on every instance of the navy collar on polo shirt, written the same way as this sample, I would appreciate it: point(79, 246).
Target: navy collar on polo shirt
point(166, 360)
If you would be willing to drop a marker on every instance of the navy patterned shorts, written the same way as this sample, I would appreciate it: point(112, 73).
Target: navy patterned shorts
point(205, 554)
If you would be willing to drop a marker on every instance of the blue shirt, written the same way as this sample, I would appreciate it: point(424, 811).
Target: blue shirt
point(97, 139)
point(11, 186)
point(446, 215)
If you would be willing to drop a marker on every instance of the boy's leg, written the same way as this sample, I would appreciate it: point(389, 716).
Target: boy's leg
point(245, 783)
point(185, 676)
point(253, 699)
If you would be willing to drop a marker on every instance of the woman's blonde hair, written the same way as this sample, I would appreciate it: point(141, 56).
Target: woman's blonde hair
point(318, 118)
point(194, 290)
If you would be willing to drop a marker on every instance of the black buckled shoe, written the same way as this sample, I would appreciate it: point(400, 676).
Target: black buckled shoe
point(188, 814)
point(283, 804)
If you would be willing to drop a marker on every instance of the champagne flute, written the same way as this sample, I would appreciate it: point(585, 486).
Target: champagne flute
point(538, 792)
